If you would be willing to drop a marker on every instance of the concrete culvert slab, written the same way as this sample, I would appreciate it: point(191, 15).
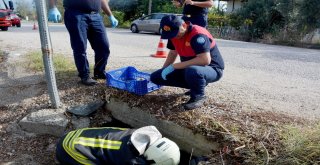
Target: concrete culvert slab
point(46, 121)
point(186, 139)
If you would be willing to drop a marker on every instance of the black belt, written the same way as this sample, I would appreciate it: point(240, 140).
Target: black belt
point(91, 12)
point(193, 15)
point(88, 12)
point(84, 11)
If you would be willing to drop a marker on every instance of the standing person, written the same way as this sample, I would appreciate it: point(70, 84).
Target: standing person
point(117, 146)
point(195, 11)
point(201, 62)
point(84, 22)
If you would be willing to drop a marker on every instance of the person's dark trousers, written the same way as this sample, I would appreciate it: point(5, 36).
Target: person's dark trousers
point(200, 20)
point(83, 27)
point(194, 78)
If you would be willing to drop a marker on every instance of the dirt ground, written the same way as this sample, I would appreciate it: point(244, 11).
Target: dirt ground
point(20, 97)
point(20, 147)
point(248, 101)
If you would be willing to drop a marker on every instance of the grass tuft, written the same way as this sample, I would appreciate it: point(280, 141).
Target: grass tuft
point(61, 63)
point(1, 56)
point(64, 66)
point(301, 145)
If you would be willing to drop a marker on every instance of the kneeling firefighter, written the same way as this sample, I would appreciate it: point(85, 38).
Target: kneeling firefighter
point(117, 146)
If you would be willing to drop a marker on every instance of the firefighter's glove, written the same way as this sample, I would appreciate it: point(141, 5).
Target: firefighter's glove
point(113, 21)
point(167, 71)
point(54, 15)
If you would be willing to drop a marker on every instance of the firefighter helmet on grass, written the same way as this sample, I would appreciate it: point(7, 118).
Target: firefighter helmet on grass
point(163, 152)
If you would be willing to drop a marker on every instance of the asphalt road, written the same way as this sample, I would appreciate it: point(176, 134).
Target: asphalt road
point(257, 76)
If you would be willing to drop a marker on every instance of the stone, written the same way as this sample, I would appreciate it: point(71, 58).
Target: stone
point(46, 121)
point(85, 110)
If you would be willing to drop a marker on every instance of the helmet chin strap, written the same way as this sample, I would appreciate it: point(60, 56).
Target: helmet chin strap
point(149, 162)
point(141, 160)
point(147, 146)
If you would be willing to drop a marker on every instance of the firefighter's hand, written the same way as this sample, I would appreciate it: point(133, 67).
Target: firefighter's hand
point(113, 20)
point(169, 69)
point(54, 15)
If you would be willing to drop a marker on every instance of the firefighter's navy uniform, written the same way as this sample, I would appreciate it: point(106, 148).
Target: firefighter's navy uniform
point(197, 40)
point(196, 15)
point(83, 21)
point(105, 145)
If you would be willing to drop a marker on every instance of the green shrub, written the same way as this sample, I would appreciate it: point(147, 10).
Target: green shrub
point(215, 20)
point(309, 15)
point(258, 17)
point(117, 14)
point(235, 21)
point(126, 24)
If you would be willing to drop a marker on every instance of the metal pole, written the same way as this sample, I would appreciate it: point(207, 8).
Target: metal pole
point(150, 7)
point(47, 53)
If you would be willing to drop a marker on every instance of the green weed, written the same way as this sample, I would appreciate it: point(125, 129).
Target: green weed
point(301, 145)
point(61, 63)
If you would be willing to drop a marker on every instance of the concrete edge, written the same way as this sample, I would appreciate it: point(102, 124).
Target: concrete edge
point(188, 141)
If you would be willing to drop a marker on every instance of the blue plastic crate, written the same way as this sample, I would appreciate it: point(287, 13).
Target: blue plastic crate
point(131, 80)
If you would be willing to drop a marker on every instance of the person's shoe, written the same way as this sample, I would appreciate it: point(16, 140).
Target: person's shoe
point(99, 76)
point(88, 81)
point(194, 103)
point(188, 93)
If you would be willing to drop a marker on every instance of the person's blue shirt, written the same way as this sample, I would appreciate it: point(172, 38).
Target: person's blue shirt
point(195, 10)
point(83, 5)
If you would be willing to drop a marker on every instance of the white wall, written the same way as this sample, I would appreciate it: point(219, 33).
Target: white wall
point(237, 5)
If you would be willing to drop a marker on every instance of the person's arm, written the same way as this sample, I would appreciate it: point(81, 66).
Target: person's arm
point(105, 7)
point(172, 55)
point(204, 4)
point(202, 59)
point(201, 45)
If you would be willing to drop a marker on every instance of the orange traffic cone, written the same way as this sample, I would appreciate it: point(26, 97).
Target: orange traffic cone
point(34, 26)
point(161, 52)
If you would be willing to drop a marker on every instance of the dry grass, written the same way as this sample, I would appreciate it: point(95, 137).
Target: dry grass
point(248, 138)
point(255, 138)
point(61, 62)
point(301, 145)
point(1, 56)
point(64, 66)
